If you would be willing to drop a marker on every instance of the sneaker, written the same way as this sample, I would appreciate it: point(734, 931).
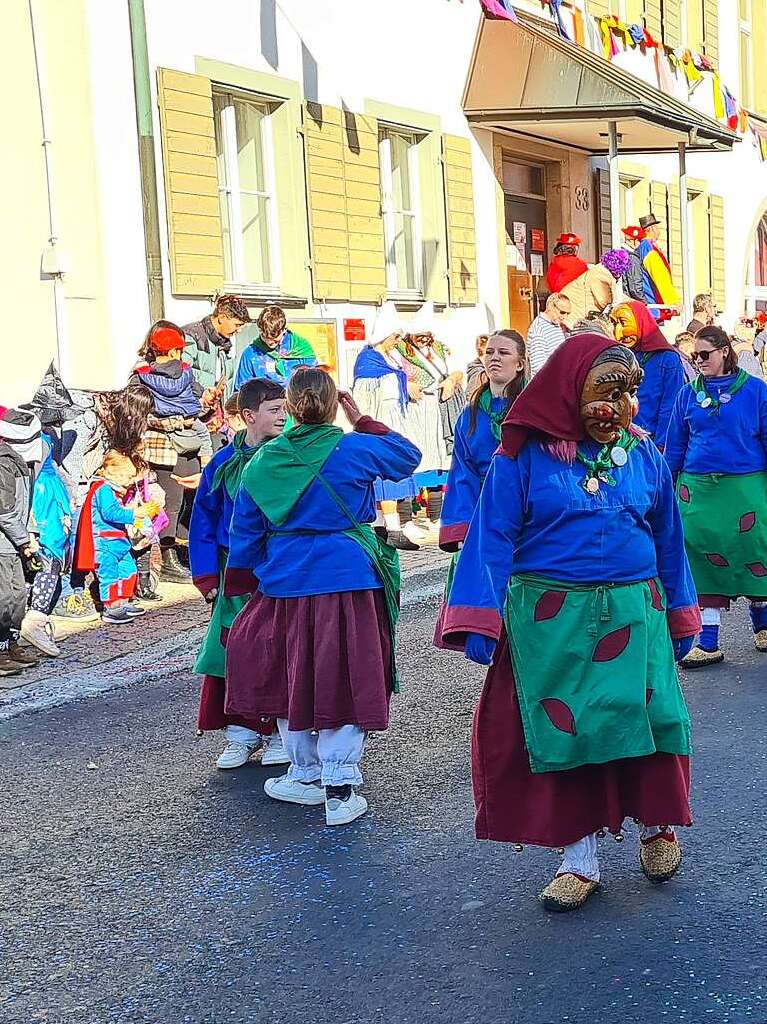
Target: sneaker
point(116, 616)
point(37, 629)
point(291, 791)
point(134, 610)
point(340, 811)
point(274, 751)
point(146, 588)
point(22, 656)
point(77, 607)
point(236, 754)
point(414, 533)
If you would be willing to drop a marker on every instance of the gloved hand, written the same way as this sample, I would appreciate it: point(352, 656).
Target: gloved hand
point(480, 649)
point(683, 646)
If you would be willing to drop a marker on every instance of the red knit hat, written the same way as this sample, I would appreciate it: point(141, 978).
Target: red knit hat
point(634, 232)
point(165, 339)
point(568, 238)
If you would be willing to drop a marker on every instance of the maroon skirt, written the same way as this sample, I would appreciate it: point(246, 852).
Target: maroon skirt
point(212, 716)
point(557, 808)
point(320, 661)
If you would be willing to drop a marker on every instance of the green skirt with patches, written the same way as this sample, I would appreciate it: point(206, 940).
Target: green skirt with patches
point(594, 671)
point(725, 530)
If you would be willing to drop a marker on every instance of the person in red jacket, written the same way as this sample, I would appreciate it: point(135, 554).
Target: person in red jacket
point(566, 264)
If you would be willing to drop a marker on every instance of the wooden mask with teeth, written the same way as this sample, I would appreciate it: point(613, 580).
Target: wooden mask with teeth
point(609, 396)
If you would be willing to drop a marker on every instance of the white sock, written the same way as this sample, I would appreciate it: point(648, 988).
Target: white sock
point(710, 616)
point(391, 522)
point(581, 858)
point(650, 831)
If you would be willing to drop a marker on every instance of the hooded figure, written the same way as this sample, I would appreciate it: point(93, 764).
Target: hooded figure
point(574, 585)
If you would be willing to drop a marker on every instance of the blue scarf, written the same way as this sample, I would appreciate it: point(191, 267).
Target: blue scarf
point(371, 365)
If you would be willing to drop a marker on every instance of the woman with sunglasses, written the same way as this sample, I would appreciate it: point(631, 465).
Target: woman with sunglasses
point(716, 446)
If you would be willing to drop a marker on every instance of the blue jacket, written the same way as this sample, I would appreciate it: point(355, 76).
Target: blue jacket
point(277, 364)
point(664, 378)
point(173, 388)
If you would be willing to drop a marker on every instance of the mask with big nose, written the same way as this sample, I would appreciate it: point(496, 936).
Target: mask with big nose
point(609, 397)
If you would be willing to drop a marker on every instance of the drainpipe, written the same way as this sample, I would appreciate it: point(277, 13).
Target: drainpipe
point(53, 263)
point(615, 184)
point(143, 93)
point(683, 202)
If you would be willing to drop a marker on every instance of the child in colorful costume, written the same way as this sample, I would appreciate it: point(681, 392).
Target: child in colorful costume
point(716, 447)
point(314, 645)
point(582, 607)
point(664, 375)
point(103, 545)
point(261, 404)
point(659, 290)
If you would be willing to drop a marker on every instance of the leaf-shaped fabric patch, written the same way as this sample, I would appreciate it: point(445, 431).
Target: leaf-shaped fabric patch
point(612, 645)
point(684, 492)
point(716, 559)
point(648, 695)
point(549, 605)
point(757, 569)
point(747, 522)
point(657, 600)
point(559, 714)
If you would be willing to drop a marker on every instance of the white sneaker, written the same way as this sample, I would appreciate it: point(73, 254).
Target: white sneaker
point(294, 792)
point(274, 751)
point(236, 754)
point(341, 812)
point(414, 532)
point(37, 630)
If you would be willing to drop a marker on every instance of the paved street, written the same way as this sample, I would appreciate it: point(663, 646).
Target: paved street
point(140, 885)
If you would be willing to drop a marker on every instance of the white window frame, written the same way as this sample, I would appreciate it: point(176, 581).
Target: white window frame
point(226, 125)
point(746, 29)
point(390, 213)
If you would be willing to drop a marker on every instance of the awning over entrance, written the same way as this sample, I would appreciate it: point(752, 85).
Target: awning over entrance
point(526, 79)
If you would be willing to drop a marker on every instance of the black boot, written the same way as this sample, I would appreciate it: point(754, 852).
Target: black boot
point(145, 589)
point(397, 539)
point(172, 570)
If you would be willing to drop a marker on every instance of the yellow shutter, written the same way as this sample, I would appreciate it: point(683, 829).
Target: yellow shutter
point(716, 234)
point(653, 18)
point(195, 245)
point(459, 209)
point(599, 8)
point(604, 211)
point(672, 23)
point(675, 239)
point(659, 206)
point(759, 43)
point(344, 189)
point(711, 29)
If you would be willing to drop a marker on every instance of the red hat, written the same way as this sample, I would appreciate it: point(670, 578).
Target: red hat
point(568, 238)
point(634, 232)
point(165, 339)
point(761, 319)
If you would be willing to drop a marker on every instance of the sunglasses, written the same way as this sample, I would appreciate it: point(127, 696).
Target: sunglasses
point(702, 356)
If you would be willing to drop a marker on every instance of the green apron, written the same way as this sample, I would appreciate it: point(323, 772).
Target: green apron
point(594, 671)
point(725, 527)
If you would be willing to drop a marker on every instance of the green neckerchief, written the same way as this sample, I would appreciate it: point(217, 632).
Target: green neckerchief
point(229, 473)
point(707, 401)
point(300, 349)
point(608, 459)
point(279, 473)
point(496, 418)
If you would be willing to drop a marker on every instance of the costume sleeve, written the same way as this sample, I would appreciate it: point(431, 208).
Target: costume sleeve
point(10, 524)
point(390, 456)
point(203, 529)
point(462, 492)
point(677, 436)
point(110, 508)
point(672, 382)
point(476, 599)
point(247, 546)
point(673, 567)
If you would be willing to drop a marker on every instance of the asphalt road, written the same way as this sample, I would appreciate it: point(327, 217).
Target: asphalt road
point(137, 884)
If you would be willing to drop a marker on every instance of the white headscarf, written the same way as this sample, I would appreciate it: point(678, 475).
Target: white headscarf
point(386, 323)
point(22, 431)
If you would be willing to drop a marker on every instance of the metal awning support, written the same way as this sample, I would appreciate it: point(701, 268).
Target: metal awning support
point(615, 184)
point(685, 235)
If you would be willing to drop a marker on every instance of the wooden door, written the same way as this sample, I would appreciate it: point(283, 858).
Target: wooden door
point(520, 299)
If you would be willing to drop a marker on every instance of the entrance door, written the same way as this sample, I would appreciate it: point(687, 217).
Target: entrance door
point(525, 224)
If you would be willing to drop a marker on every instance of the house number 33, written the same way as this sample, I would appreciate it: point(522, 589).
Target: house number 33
point(581, 198)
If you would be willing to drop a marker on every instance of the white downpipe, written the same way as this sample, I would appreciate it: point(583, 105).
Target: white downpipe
point(52, 259)
point(685, 235)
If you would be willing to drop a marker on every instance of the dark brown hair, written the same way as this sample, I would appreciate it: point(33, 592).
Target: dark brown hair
point(231, 305)
point(720, 339)
point(146, 351)
point(125, 417)
point(512, 389)
point(312, 396)
point(271, 321)
point(254, 393)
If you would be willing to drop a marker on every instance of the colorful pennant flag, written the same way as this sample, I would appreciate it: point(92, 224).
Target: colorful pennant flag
point(500, 9)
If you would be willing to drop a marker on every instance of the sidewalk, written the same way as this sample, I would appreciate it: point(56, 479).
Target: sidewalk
point(96, 658)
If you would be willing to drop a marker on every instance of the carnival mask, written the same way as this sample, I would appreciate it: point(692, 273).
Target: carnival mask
point(625, 324)
point(609, 396)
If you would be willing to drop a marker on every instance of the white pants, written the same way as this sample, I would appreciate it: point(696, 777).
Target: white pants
point(581, 857)
point(713, 616)
point(330, 756)
point(239, 734)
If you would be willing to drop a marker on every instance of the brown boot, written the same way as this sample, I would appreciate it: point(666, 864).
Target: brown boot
point(9, 667)
point(22, 656)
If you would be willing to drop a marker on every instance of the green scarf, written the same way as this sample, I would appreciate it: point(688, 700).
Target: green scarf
point(279, 473)
point(496, 418)
point(300, 349)
point(229, 473)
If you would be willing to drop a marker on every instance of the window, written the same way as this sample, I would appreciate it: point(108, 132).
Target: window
point(246, 189)
point(745, 45)
point(401, 211)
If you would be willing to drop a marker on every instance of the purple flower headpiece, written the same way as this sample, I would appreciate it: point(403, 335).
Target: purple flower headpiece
point(617, 262)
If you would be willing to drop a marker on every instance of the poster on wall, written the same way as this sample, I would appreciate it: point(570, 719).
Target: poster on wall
point(323, 337)
point(536, 264)
point(537, 240)
point(520, 233)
